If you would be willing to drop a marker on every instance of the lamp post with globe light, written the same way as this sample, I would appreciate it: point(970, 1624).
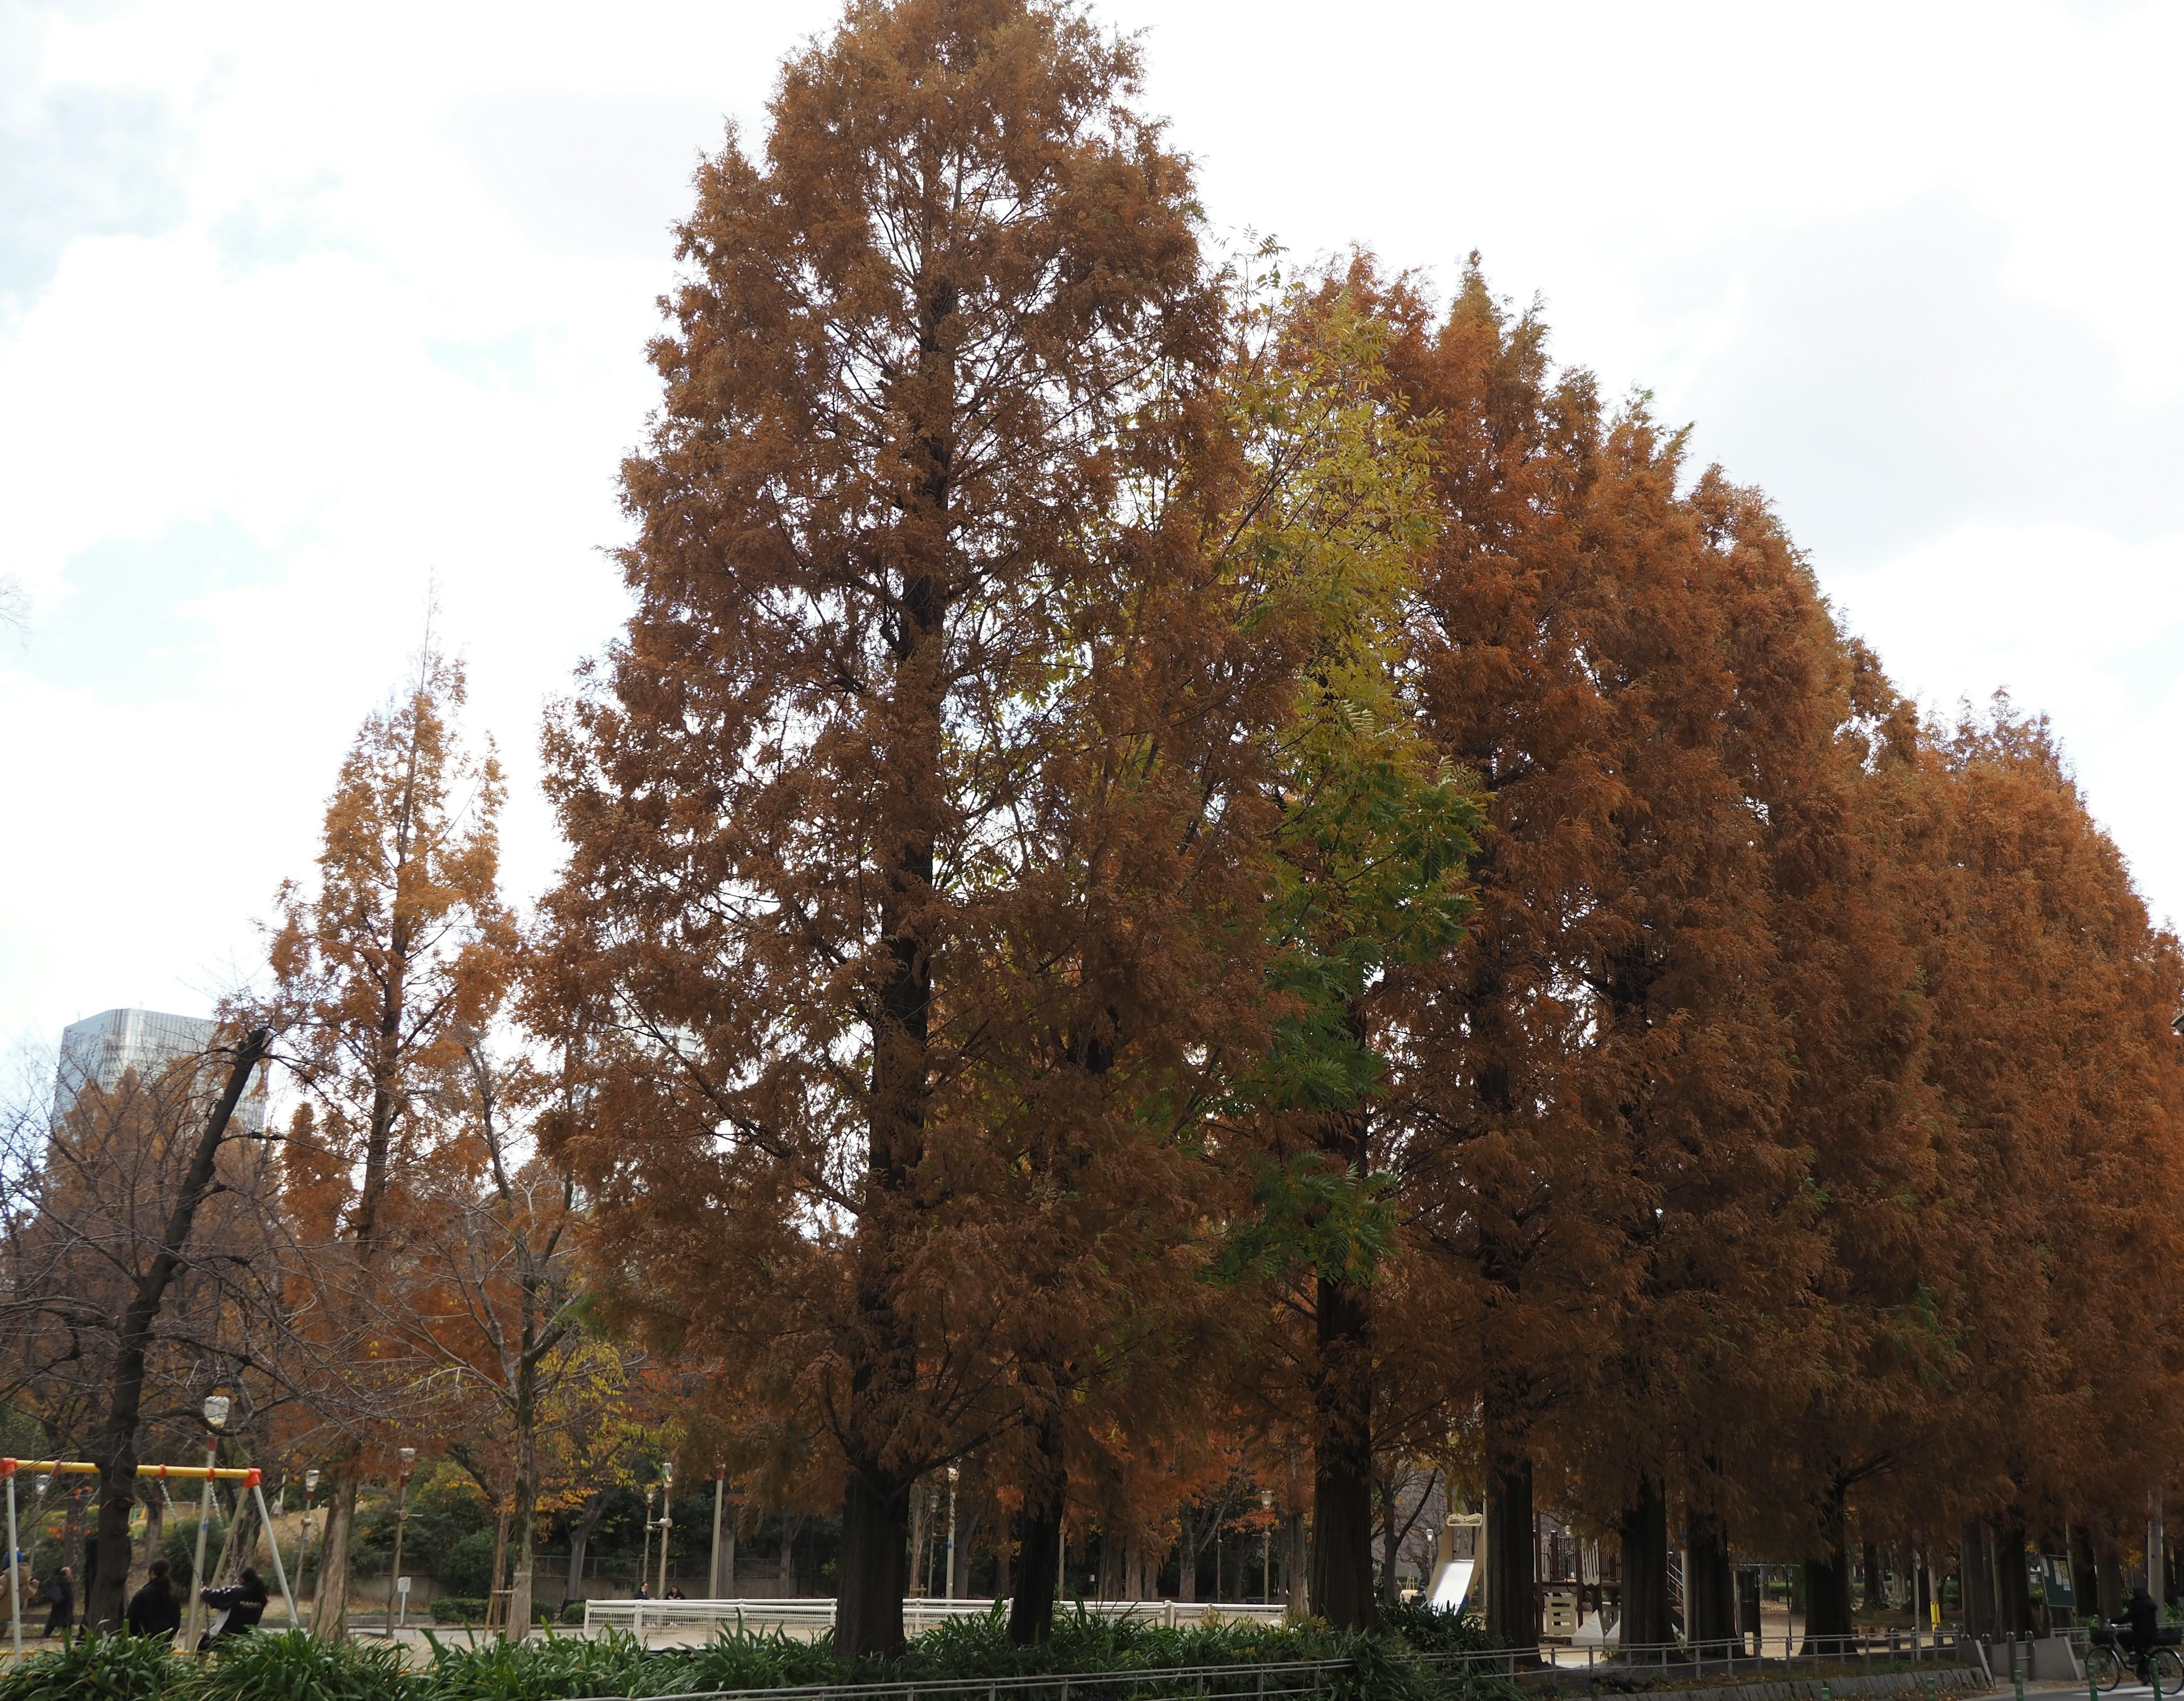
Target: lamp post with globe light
point(948, 1588)
point(667, 1522)
point(215, 1416)
point(409, 1456)
point(644, 1553)
point(304, 1546)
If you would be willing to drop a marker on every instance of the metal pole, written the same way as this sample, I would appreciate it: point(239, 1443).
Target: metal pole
point(667, 1522)
point(197, 1568)
point(14, 1569)
point(401, 1522)
point(273, 1541)
point(644, 1553)
point(720, 1496)
point(948, 1589)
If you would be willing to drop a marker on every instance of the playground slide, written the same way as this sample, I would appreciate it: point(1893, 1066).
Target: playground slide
point(1451, 1584)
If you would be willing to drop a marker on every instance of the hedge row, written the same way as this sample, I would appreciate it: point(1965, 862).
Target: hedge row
point(293, 1667)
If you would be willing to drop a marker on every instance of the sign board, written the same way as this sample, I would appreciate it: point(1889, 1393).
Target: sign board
point(2051, 1575)
point(402, 1586)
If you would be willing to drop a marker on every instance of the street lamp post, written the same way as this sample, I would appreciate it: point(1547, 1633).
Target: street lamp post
point(303, 1544)
point(948, 1588)
point(719, 1498)
point(409, 1456)
point(644, 1554)
point(1267, 1547)
point(215, 1416)
point(667, 1522)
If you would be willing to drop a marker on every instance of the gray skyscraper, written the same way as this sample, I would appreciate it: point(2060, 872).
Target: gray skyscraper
point(105, 1047)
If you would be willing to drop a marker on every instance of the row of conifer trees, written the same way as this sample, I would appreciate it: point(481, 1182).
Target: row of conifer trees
point(1176, 862)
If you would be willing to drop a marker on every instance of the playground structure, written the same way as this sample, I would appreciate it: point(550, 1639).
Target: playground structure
point(249, 1476)
point(1453, 1570)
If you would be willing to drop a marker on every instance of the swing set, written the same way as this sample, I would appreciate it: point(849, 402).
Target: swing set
point(250, 1477)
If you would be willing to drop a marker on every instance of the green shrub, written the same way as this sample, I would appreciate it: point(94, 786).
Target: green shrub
point(548, 1669)
point(572, 1612)
point(110, 1668)
point(465, 1567)
point(295, 1666)
point(1435, 1630)
point(459, 1609)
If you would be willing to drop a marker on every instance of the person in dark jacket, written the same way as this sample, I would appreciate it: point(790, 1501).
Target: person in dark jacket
point(2145, 1622)
point(60, 1603)
point(156, 1609)
point(244, 1605)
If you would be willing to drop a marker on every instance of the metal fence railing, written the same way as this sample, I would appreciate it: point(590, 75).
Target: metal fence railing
point(1289, 1680)
point(1729, 1657)
point(643, 1618)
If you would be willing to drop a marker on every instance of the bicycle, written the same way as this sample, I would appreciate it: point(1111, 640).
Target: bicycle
point(2107, 1664)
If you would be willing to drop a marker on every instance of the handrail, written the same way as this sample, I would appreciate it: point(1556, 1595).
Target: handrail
point(1201, 1678)
point(640, 1616)
point(1862, 1649)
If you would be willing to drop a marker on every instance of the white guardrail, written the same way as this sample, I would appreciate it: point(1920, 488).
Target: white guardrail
point(641, 1618)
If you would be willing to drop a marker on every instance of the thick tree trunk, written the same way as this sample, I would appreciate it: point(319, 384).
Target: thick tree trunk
point(1045, 1495)
point(2109, 1591)
point(523, 1515)
point(1709, 1584)
point(875, 1556)
point(727, 1585)
point(155, 1527)
point(1390, 1536)
point(1513, 1602)
point(1298, 1566)
point(1342, 1459)
point(1186, 1558)
point(1646, 1566)
point(966, 1532)
point(579, 1540)
point(500, 1560)
point(1876, 1595)
point(330, 1600)
point(115, 1450)
point(2012, 1574)
point(1828, 1619)
point(1974, 1587)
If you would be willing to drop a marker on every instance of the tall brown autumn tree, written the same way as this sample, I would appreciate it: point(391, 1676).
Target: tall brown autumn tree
point(917, 818)
point(2053, 1252)
point(1596, 1079)
point(400, 952)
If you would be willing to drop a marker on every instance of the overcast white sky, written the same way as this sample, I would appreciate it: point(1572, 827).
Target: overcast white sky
point(302, 307)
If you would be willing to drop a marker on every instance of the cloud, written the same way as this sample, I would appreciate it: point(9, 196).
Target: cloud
point(298, 315)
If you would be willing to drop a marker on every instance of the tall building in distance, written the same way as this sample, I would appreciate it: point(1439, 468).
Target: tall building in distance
point(101, 1049)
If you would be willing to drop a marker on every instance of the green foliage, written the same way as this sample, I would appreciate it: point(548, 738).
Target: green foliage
point(104, 1668)
point(178, 1544)
point(465, 1566)
point(458, 1609)
point(447, 1508)
point(1435, 1630)
point(295, 1666)
point(1335, 1223)
point(1385, 1666)
point(548, 1669)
